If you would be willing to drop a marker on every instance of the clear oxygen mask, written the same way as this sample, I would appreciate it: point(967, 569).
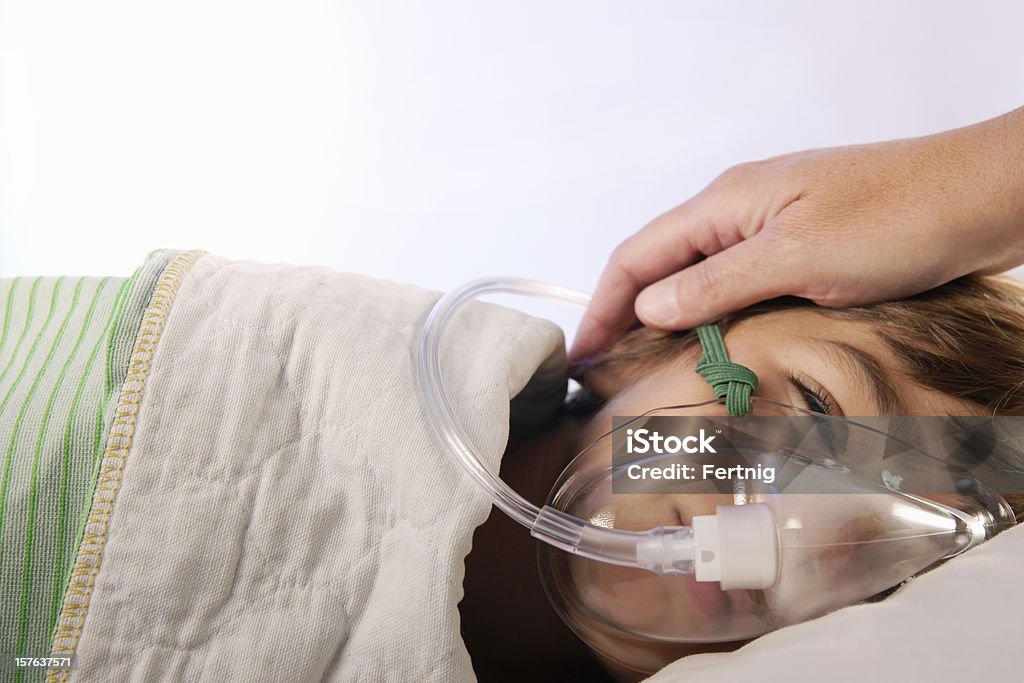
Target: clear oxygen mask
point(789, 514)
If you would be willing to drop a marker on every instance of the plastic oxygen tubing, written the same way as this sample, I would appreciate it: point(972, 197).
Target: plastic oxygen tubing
point(660, 550)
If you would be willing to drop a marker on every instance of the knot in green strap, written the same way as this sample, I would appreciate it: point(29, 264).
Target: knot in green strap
point(731, 381)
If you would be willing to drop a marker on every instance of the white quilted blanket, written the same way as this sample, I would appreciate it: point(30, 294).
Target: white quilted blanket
point(285, 512)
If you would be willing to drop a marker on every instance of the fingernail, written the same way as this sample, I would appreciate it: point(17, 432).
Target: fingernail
point(658, 304)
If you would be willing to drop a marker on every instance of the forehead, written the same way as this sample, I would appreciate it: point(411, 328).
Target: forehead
point(812, 332)
point(805, 339)
point(806, 322)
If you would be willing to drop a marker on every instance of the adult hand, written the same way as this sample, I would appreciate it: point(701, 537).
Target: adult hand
point(841, 227)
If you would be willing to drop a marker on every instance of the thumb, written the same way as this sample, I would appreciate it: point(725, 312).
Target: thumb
point(737, 277)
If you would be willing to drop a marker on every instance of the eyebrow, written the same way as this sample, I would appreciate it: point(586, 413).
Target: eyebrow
point(867, 368)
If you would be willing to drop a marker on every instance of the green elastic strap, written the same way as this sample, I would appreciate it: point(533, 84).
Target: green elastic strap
point(729, 380)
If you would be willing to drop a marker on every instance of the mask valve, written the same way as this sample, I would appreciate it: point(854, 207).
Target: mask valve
point(738, 547)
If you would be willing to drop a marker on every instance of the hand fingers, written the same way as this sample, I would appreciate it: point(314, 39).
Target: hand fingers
point(753, 270)
point(665, 245)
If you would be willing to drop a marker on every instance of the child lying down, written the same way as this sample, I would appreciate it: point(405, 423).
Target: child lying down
point(916, 357)
point(222, 471)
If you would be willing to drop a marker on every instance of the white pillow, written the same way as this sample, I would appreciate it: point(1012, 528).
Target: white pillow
point(959, 622)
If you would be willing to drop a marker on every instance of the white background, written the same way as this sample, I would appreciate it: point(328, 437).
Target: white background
point(435, 142)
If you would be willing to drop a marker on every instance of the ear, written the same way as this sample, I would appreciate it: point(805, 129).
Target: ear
point(598, 384)
point(636, 354)
point(605, 380)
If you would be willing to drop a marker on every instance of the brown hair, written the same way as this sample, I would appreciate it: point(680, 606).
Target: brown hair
point(964, 339)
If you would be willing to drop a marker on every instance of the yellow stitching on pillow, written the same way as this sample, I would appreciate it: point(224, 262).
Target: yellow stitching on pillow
point(119, 441)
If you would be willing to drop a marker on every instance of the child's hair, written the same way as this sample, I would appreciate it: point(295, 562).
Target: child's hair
point(964, 339)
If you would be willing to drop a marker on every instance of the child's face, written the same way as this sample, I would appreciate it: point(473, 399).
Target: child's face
point(801, 358)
